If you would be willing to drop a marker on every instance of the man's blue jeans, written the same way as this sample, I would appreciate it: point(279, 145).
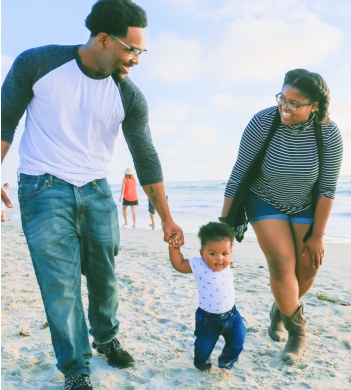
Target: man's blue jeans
point(72, 231)
point(208, 328)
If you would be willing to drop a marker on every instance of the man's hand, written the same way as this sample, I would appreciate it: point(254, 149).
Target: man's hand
point(173, 234)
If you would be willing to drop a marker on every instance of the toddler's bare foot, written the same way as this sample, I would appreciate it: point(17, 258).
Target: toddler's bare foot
point(225, 371)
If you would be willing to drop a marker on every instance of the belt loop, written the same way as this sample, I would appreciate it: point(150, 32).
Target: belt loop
point(49, 180)
point(93, 184)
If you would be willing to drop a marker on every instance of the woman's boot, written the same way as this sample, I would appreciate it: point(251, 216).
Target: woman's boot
point(276, 329)
point(296, 326)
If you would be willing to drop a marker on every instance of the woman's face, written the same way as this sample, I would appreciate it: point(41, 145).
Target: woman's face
point(301, 114)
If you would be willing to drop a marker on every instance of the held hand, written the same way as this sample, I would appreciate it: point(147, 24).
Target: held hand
point(314, 247)
point(5, 199)
point(173, 234)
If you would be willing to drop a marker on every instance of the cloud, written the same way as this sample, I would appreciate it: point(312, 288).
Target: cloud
point(339, 113)
point(173, 59)
point(199, 135)
point(259, 49)
point(171, 110)
point(253, 43)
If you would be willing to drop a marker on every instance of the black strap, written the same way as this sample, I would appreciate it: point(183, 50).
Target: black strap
point(250, 175)
point(315, 190)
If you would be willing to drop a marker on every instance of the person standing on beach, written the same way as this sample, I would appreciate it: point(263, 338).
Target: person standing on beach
point(151, 210)
point(5, 187)
point(129, 196)
point(75, 97)
point(217, 313)
point(285, 180)
point(152, 213)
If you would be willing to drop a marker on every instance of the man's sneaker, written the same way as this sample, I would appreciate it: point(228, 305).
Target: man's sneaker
point(115, 353)
point(78, 382)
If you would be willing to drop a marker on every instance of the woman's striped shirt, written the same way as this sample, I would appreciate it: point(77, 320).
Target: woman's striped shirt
point(290, 166)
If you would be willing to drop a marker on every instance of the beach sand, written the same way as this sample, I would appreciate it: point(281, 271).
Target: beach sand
point(156, 315)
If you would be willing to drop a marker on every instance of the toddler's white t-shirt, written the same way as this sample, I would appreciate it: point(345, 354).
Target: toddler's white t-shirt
point(216, 292)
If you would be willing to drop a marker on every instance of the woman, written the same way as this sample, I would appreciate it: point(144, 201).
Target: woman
point(129, 196)
point(288, 220)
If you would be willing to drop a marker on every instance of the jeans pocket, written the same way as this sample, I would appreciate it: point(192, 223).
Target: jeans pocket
point(103, 187)
point(31, 186)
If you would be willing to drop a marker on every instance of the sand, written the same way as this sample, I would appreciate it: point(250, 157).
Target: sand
point(156, 316)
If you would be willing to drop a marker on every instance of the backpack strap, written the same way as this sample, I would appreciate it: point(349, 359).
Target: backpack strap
point(315, 190)
point(236, 217)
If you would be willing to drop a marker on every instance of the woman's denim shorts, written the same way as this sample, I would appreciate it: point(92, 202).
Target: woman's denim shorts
point(257, 209)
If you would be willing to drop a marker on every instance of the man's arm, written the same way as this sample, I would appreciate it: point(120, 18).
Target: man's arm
point(5, 146)
point(178, 262)
point(173, 234)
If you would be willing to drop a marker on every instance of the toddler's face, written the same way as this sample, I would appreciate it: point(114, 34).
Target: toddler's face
point(217, 254)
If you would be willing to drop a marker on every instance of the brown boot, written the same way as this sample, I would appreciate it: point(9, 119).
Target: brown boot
point(276, 329)
point(296, 326)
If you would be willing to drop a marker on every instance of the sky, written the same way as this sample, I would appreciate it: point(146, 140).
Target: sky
point(210, 66)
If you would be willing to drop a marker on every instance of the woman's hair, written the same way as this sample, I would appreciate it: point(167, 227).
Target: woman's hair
point(113, 17)
point(314, 87)
point(215, 231)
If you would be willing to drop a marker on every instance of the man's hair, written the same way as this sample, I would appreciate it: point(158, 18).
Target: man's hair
point(113, 17)
point(215, 231)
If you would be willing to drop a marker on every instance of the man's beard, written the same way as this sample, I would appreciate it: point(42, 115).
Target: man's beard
point(117, 76)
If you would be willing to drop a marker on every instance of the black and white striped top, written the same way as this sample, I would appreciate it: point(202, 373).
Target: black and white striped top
point(290, 166)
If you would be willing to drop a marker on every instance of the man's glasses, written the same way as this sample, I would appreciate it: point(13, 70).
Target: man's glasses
point(133, 51)
point(291, 106)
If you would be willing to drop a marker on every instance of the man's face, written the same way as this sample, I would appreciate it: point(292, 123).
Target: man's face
point(121, 54)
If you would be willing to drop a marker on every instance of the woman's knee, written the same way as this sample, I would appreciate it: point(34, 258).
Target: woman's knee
point(280, 265)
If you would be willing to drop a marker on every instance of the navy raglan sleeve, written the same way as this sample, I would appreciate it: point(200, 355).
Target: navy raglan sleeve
point(137, 134)
point(16, 93)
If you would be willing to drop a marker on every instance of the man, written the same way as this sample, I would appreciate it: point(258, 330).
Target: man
point(75, 97)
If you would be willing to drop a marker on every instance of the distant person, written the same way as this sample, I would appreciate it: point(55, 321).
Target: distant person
point(152, 213)
point(5, 187)
point(217, 313)
point(285, 180)
point(129, 196)
point(76, 98)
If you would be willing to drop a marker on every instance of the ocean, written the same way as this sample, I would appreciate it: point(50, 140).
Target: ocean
point(195, 203)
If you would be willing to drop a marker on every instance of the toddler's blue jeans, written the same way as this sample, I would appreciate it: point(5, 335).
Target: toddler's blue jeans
point(208, 328)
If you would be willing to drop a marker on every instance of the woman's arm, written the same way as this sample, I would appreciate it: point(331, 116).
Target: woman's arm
point(315, 243)
point(122, 190)
point(226, 206)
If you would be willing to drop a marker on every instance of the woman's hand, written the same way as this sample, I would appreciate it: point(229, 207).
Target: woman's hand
point(314, 246)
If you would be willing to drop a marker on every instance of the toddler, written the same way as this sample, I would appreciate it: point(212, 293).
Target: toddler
point(217, 314)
